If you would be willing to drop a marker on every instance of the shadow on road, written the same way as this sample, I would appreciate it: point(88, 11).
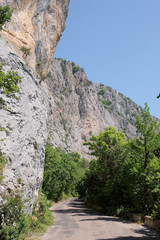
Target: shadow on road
point(76, 208)
point(129, 238)
point(110, 219)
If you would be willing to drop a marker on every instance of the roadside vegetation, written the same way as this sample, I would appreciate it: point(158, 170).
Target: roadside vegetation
point(16, 225)
point(125, 176)
point(62, 173)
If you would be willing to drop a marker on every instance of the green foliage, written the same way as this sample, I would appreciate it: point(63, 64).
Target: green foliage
point(26, 51)
point(49, 75)
point(75, 69)
point(64, 67)
point(126, 175)
point(41, 75)
point(39, 64)
point(158, 95)
point(15, 225)
point(129, 120)
point(120, 114)
point(62, 172)
point(2, 164)
point(63, 60)
point(156, 210)
point(87, 82)
point(149, 135)
point(121, 95)
point(12, 218)
point(101, 92)
point(103, 176)
point(106, 102)
point(41, 216)
point(8, 82)
point(5, 15)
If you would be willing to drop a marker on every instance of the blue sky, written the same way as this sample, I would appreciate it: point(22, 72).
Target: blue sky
point(117, 42)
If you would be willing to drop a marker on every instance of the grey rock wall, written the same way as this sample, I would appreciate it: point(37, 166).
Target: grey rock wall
point(26, 123)
point(78, 108)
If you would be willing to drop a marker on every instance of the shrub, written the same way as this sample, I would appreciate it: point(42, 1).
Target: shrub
point(41, 216)
point(63, 60)
point(5, 15)
point(2, 164)
point(75, 69)
point(63, 66)
point(41, 75)
point(12, 218)
point(39, 64)
point(26, 51)
point(49, 75)
point(8, 82)
point(156, 211)
point(101, 92)
point(88, 82)
point(106, 102)
point(15, 225)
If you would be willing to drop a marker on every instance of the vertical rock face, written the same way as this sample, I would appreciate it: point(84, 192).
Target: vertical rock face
point(24, 140)
point(78, 108)
point(38, 25)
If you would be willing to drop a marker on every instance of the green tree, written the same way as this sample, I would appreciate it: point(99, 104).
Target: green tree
point(125, 174)
point(148, 131)
point(144, 160)
point(62, 173)
point(104, 174)
point(5, 15)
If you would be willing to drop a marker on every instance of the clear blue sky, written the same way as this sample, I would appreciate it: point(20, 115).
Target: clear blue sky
point(117, 42)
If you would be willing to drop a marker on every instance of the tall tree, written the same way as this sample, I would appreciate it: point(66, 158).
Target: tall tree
point(149, 137)
point(104, 174)
point(144, 150)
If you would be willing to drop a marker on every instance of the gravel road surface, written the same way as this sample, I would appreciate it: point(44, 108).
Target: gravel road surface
point(73, 221)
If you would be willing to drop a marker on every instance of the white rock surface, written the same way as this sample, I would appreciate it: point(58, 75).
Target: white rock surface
point(26, 125)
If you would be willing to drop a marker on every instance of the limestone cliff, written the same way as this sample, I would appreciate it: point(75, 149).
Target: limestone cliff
point(78, 108)
point(36, 25)
point(24, 140)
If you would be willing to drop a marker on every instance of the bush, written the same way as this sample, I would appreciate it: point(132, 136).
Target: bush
point(26, 51)
point(15, 225)
point(101, 92)
point(63, 60)
point(75, 69)
point(41, 216)
point(2, 164)
point(5, 15)
point(88, 82)
point(156, 211)
point(8, 82)
point(12, 218)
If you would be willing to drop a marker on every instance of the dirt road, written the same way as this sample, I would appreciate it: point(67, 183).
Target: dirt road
point(75, 222)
